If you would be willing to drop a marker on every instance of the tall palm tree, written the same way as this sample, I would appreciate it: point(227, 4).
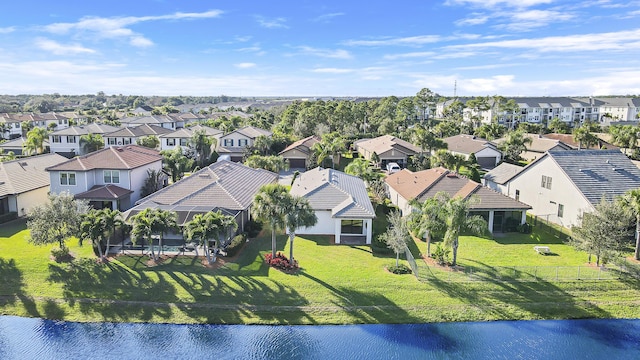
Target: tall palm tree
point(162, 221)
point(584, 137)
point(92, 228)
point(91, 142)
point(141, 227)
point(203, 144)
point(176, 162)
point(111, 219)
point(227, 226)
point(427, 140)
point(203, 227)
point(298, 214)
point(631, 201)
point(35, 141)
point(332, 144)
point(455, 211)
point(427, 219)
point(269, 205)
point(514, 144)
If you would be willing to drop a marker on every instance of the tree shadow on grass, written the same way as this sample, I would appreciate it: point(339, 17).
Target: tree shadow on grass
point(507, 299)
point(12, 288)
point(365, 307)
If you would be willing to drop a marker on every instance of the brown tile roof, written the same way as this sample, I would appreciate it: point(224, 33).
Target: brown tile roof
point(568, 139)
point(22, 175)
point(104, 192)
point(426, 184)
point(303, 144)
point(466, 144)
point(115, 157)
point(385, 143)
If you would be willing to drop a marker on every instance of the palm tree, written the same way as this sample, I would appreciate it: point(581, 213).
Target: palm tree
point(141, 227)
point(427, 140)
point(203, 144)
point(427, 219)
point(298, 214)
point(176, 162)
point(92, 228)
point(35, 141)
point(162, 221)
point(332, 144)
point(584, 137)
point(455, 211)
point(361, 168)
point(631, 201)
point(227, 225)
point(269, 205)
point(196, 229)
point(111, 219)
point(151, 222)
point(91, 142)
point(514, 144)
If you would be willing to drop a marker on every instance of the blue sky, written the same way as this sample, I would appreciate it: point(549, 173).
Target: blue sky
point(327, 48)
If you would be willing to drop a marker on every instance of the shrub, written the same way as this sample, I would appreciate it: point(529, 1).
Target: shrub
point(236, 244)
point(252, 228)
point(524, 228)
point(60, 254)
point(400, 269)
point(441, 255)
point(280, 262)
point(379, 246)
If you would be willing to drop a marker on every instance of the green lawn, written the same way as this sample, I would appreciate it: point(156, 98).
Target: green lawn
point(336, 285)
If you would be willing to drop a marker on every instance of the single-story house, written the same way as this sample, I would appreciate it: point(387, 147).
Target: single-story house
point(406, 186)
point(538, 146)
point(563, 184)
point(298, 153)
point(112, 177)
point(24, 183)
point(340, 202)
point(486, 152)
point(497, 179)
point(388, 148)
point(568, 140)
point(226, 186)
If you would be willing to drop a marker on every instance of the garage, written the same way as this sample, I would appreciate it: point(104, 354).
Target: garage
point(487, 162)
point(297, 163)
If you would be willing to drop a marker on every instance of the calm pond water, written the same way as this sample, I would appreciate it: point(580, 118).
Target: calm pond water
point(22, 338)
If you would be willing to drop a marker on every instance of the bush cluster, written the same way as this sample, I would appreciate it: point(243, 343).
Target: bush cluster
point(252, 228)
point(280, 262)
point(400, 269)
point(236, 244)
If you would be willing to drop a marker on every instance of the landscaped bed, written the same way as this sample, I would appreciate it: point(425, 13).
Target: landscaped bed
point(335, 284)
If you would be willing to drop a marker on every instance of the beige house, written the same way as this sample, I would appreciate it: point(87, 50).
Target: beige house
point(388, 148)
point(499, 210)
point(24, 183)
point(538, 146)
point(486, 152)
point(234, 143)
point(298, 153)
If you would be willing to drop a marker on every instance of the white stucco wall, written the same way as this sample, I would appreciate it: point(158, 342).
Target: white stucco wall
point(489, 152)
point(63, 146)
point(28, 200)
point(137, 178)
point(235, 137)
point(324, 226)
point(544, 202)
point(399, 201)
point(83, 182)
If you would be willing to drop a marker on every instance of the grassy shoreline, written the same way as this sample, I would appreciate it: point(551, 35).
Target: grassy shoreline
point(336, 285)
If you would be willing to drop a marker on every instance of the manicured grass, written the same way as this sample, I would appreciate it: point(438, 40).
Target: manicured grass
point(336, 284)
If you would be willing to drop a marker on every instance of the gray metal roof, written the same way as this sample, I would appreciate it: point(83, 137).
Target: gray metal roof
point(598, 173)
point(327, 189)
point(224, 184)
point(503, 173)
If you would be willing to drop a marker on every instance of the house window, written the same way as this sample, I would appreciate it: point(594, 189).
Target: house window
point(112, 176)
point(55, 138)
point(184, 142)
point(68, 178)
point(352, 226)
point(546, 182)
point(71, 139)
point(517, 195)
point(111, 141)
point(243, 142)
point(126, 141)
point(560, 210)
point(171, 142)
point(228, 142)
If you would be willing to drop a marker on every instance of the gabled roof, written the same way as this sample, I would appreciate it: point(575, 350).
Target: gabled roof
point(467, 144)
point(327, 189)
point(114, 157)
point(223, 184)
point(426, 184)
point(22, 175)
point(17, 144)
point(93, 128)
point(186, 133)
point(568, 140)
point(596, 173)
point(540, 143)
point(139, 131)
point(104, 192)
point(503, 173)
point(150, 119)
point(303, 145)
point(251, 132)
point(384, 143)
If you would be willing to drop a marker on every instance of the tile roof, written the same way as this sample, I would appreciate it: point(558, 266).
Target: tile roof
point(150, 119)
point(327, 189)
point(385, 143)
point(104, 192)
point(186, 133)
point(539, 143)
point(467, 144)
point(93, 128)
point(303, 145)
point(138, 131)
point(252, 132)
point(22, 175)
point(426, 184)
point(597, 173)
point(223, 184)
point(17, 144)
point(114, 157)
point(503, 173)
point(568, 140)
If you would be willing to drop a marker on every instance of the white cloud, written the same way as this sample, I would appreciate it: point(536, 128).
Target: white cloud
point(327, 17)
point(7, 30)
point(112, 28)
point(245, 65)
point(332, 71)
point(326, 53)
point(411, 55)
point(621, 40)
point(475, 19)
point(272, 23)
point(404, 41)
point(61, 49)
point(531, 19)
point(494, 3)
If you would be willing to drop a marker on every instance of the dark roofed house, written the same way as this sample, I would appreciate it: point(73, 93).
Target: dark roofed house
point(131, 135)
point(298, 153)
point(112, 177)
point(388, 148)
point(486, 152)
point(406, 186)
point(562, 185)
point(225, 186)
point(234, 143)
point(67, 142)
point(24, 183)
